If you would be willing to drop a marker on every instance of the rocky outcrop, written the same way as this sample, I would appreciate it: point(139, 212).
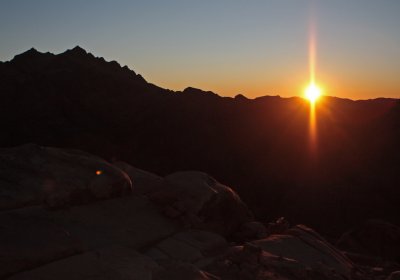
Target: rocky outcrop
point(394, 276)
point(309, 249)
point(145, 182)
point(196, 247)
point(184, 226)
point(27, 242)
point(31, 175)
point(117, 263)
point(199, 201)
point(374, 238)
point(298, 254)
point(33, 236)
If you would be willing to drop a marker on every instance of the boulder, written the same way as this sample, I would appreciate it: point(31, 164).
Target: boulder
point(299, 254)
point(394, 276)
point(183, 271)
point(31, 175)
point(307, 247)
point(131, 221)
point(201, 202)
point(374, 238)
point(251, 231)
point(34, 236)
point(145, 182)
point(251, 262)
point(278, 227)
point(189, 246)
point(117, 263)
point(335, 259)
point(26, 243)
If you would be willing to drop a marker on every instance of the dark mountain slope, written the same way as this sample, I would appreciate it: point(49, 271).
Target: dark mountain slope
point(259, 146)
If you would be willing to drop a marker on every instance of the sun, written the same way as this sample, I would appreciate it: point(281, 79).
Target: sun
point(312, 92)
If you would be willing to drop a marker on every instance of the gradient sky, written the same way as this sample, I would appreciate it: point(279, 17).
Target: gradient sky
point(253, 47)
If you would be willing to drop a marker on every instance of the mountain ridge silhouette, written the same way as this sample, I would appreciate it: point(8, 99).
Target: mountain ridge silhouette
point(79, 52)
point(258, 146)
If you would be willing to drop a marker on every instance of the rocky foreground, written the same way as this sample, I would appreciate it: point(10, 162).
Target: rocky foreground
point(67, 214)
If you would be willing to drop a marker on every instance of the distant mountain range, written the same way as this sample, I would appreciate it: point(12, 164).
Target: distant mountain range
point(260, 147)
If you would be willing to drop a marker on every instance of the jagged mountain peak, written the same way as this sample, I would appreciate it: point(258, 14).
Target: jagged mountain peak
point(76, 50)
point(74, 61)
point(29, 54)
point(32, 51)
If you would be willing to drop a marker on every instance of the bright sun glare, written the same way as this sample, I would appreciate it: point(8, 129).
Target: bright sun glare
point(312, 92)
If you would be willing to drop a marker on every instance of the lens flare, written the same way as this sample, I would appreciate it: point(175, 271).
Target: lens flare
point(312, 93)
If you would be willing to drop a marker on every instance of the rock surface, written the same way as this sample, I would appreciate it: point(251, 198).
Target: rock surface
point(374, 238)
point(184, 226)
point(299, 254)
point(34, 236)
point(145, 182)
point(202, 202)
point(27, 243)
point(119, 263)
point(394, 276)
point(31, 175)
point(308, 249)
point(190, 247)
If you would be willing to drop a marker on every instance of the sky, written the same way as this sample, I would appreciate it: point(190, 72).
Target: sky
point(252, 47)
